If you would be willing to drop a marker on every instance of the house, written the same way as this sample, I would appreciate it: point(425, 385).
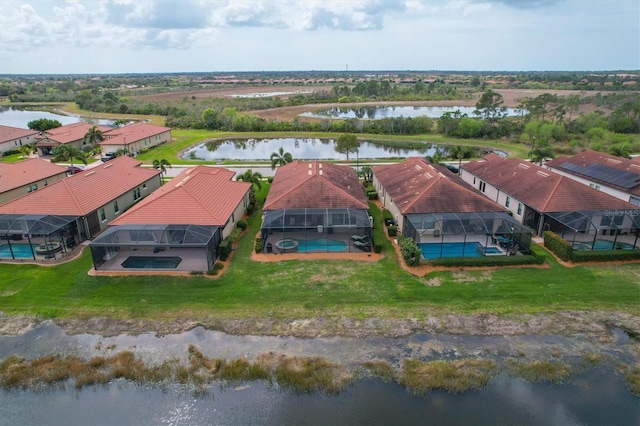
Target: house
point(73, 134)
point(179, 226)
point(543, 200)
point(315, 206)
point(444, 215)
point(12, 138)
point(23, 177)
point(613, 175)
point(134, 138)
point(78, 207)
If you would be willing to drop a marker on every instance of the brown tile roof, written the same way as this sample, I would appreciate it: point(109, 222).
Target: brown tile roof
point(8, 133)
point(69, 133)
point(417, 186)
point(315, 184)
point(197, 196)
point(132, 133)
point(83, 192)
point(15, 175)
point(539, 188)
point(582, 165)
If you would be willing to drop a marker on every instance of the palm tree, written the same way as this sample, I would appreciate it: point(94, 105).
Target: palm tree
point(162, 165)
point(280, 158)
point(539, 154)
point(460, 152)
point(93, 136)
point(250, 176)
point(436, 158)
point(25, 150)
point(620, 150)
point(67, 152)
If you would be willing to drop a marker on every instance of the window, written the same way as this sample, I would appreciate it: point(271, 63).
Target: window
point(144, 186)
point(519, 208)
point(474, 180)
point(594, 186)
point(483, 186)
point(116, 209)
point(508, 201)
point(32, 187)
point(46, 183)
point(136, 194)
point(103, 217)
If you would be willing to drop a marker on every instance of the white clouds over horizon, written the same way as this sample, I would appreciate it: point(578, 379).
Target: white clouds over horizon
point(119, 36)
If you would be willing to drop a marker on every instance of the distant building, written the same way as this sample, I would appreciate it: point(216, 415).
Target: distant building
point(73, 134)
point(23, 177)
point(12, 138)
point(134, 138)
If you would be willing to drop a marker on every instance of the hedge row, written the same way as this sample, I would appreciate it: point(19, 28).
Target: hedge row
point(604, 255)
point(531, 259)
point(557, 245)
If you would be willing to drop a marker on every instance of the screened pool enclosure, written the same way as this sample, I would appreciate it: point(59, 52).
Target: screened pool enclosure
point(588, 230)
point(37, 237)
point(124, 247)
point(467, 234)
point(316, 230)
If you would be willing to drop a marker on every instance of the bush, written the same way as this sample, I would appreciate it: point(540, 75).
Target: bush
point(270, 179)
point(258, 245)
point(372, 195)
point(557, 245)
point(377, 248)
point(235, 235)
point(386, 214)
point(392, 230)
point(411, 253)
point(242, 224)
point(224, 249)
point(604, 255)
point(531, 259)
point(216, 267)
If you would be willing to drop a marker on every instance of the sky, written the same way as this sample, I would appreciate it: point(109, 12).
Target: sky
point(147, 36)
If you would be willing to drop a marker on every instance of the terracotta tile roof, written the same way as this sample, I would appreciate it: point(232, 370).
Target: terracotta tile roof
point(8, 133)
point(539, 188)
point(417, 186)
point(69, 133)
point(601, 167)
point(83, 192)
point(315, 184)
point(197, 196)
point(132, 133)
point(15, 175)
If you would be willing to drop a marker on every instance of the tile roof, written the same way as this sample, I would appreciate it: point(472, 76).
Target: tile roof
point(83, 192)
point(132, 133)
point(607, 169)
point(417, 186)
point(539, 188)
point(315, 184)
point(15, 175)
point(8, 133)
point(197, 196)
point(70, 132)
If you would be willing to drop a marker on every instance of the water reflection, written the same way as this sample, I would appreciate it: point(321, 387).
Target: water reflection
point(303, 149)
point(20, 117)
point(381, 112)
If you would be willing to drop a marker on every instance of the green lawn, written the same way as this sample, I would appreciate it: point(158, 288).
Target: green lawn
point(299, 289)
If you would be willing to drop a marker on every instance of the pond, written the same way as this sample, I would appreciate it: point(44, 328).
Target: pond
point(303, 149)
point(19, 117)
point(380, 112)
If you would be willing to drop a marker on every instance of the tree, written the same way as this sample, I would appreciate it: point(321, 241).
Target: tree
point(539, 154)
point(25, 150)
point(251, 177)
point(43, 124)
point(280, 158)
point(347, 143)
point(620, 150)
point(93, 136)
point(436, 158)
point(490, 106)
point(67, 152)
point(162, 165)
point(367, 173)
point(460, 152)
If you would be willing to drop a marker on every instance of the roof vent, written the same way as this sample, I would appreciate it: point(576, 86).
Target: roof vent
point(541, 173)
point(310, 165)
point(320, 172)
point(612, 160)
point(310, 172)
point(107, 166)
point(320, 165)
point(524, 166)
point(92, 172)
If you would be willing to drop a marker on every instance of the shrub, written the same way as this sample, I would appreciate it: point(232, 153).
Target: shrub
point(392, 230)
point(411, 253)
point(270, 179)
point(372, 195)
point(531, 259)
point(258, 245)
point(224, 249)
point(604, 255)
point(558, 245)
point(386, 214)
point(242, 224)
point(235, 234)
point(377, 248)
point(216, 267)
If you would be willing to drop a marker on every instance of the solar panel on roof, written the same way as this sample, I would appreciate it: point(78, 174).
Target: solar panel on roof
point(606, 174)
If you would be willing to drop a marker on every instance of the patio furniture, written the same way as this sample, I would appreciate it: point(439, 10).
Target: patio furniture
point(360, 238)
point(362, 245)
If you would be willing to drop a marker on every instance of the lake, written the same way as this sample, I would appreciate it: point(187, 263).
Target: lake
point(379, 112)
point(18, 117)
point(300, 149)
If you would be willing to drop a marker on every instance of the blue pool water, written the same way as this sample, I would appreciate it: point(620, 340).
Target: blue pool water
point(321, 244)
point(20, 251)
point(436, 250)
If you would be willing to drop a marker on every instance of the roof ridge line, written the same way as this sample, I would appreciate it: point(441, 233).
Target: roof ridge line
point(552, 193)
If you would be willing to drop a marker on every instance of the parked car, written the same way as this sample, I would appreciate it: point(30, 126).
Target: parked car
point(72, 170)
point(108, 156)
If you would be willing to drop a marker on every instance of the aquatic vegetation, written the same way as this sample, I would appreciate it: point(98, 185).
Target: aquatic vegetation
point(379, 368)
point(453, 376)
point(539, 371)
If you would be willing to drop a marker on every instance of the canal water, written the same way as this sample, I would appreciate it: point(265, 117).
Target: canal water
point(597, 395)
point(381, 112)
point(20, 117)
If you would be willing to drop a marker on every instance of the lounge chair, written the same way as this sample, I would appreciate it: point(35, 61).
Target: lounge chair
point(362, 245)
point(361, 238)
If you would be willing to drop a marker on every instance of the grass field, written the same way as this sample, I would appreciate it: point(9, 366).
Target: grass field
point(301, 289)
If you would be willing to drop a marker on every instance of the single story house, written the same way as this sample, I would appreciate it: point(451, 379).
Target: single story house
point(76, 208)
point(134, 138)
point(543, 200)
point(73, 134)
point(23, 177)
point(315, 206)
point(446, 216)
point(613, 175)
point(178, 227)
point(12, 138)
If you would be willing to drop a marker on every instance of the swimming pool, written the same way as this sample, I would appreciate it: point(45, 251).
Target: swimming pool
point(321, 244)
point(151, 262)
point(20, 251)
point(436, 250)
point(602, 245)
